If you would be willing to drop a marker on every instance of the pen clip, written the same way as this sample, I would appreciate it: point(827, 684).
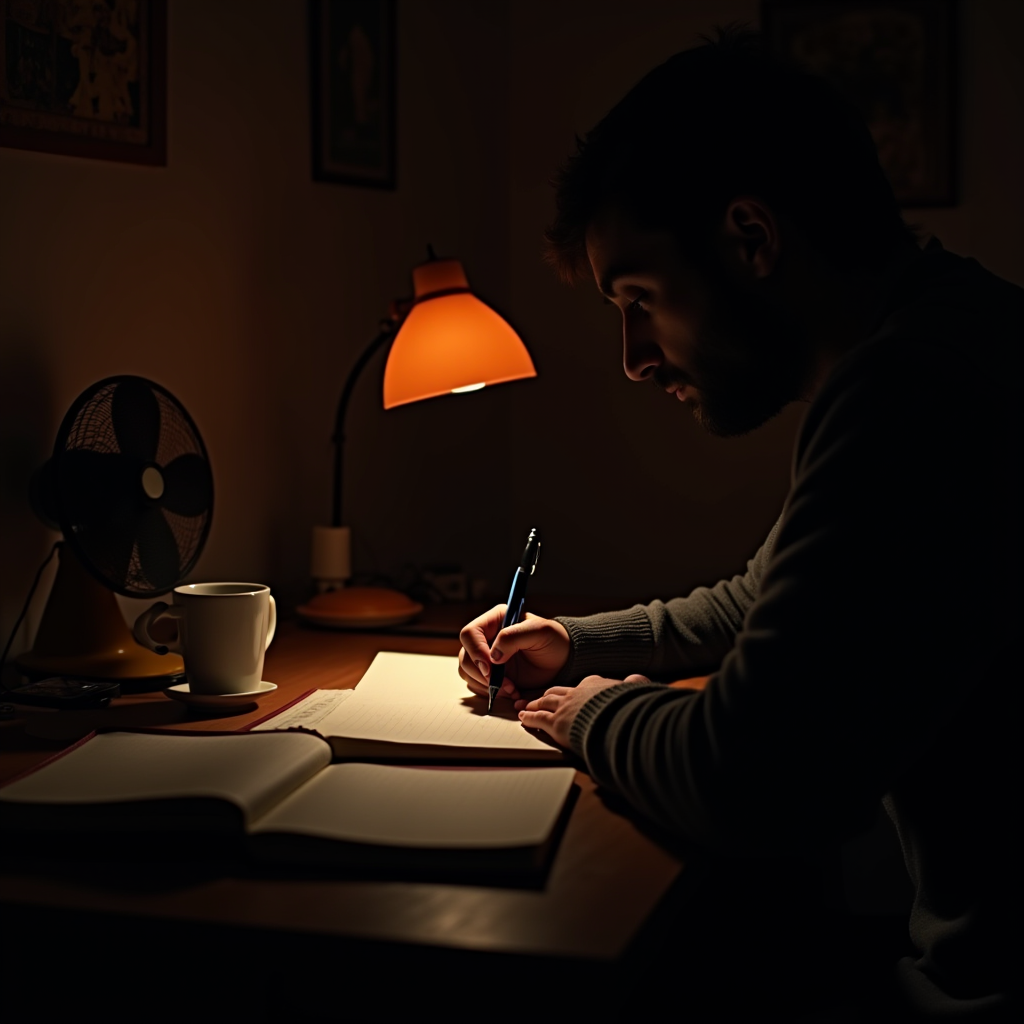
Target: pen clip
point(531, 556)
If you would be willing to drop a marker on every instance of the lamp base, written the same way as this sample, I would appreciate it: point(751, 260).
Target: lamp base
point(330, 561)
point(359, 608)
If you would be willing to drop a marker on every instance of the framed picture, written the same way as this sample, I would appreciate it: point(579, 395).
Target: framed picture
point(352, 60)
point(895, 59)
point(85, 79)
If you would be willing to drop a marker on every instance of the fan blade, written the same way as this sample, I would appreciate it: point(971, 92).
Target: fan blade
point(136, 416)
point(188, 485)
point(107, 548)
point(95, 487)
point(158, 551)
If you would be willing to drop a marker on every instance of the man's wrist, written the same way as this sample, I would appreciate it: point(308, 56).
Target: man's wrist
point(585, 728)
point(611, 644)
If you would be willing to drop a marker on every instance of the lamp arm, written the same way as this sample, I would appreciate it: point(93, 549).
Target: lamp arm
point(388, 329)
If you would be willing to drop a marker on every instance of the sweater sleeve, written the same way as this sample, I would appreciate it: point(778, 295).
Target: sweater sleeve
point(686, 636)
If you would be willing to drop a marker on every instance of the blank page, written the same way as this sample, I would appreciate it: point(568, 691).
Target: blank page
point(453, 722)
point(253, 771)
point(426, 808)
point(412, 678)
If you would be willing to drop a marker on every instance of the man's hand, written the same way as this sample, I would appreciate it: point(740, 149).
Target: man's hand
point(556, 710)
point(534, 651)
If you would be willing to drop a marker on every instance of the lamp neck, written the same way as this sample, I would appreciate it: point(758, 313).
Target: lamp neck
point(440, 293)
point(388, 329)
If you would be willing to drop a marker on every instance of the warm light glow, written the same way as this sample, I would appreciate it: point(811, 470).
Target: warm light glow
point(468, 387)
point(450, 341)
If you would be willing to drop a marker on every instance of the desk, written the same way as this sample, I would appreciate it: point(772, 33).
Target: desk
point(605, 881)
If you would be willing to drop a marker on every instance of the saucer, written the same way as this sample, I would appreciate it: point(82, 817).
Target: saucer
point(218, 700)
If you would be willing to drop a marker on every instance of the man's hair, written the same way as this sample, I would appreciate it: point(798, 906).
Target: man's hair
point(718, 121)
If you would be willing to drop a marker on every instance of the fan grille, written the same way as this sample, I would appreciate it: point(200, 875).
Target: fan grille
point(92, 430)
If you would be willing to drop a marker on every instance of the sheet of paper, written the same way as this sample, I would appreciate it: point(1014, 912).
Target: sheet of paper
point(456, 723)
point(308, 713)
point(252, 771)
point(412, 678)
point(425, 808)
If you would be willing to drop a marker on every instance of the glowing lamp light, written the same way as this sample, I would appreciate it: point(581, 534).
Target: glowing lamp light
point(450, 341)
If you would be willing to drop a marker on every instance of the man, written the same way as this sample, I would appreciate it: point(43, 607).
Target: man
point(734, 210)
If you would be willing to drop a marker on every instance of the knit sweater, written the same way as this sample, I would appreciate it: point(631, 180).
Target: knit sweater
point(872, 648)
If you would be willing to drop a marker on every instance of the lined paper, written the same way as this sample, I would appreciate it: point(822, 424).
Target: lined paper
point(308, 713)
point(446, 723)
point(412, 699)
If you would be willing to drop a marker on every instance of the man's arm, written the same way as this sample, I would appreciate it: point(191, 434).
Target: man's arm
point(687, 636)
point(889, 591)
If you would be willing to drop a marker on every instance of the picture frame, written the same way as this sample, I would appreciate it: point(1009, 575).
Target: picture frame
point(85, 80)
point(352, 91)
point(896, 60)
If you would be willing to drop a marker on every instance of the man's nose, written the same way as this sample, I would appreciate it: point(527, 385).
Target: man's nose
point(641, 355)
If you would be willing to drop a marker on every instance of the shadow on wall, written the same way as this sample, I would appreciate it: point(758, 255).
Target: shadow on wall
point(26, 427)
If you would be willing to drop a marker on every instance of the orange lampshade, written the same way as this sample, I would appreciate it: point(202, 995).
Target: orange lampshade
point(450, 341)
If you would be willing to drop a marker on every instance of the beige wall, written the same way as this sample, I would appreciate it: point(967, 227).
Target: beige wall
point(248, 290)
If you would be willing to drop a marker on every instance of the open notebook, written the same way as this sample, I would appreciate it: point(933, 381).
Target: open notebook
point(414, 707)
point(280, 796)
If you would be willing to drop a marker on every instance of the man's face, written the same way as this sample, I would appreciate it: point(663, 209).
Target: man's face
point(697, 331)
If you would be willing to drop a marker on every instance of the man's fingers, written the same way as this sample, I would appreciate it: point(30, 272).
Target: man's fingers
point(548, 701)
point(469, 669)
point(522, 636)
point(476, 637)
point(537, 719)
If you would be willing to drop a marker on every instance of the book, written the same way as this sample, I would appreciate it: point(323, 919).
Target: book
point(281, 798)
point(415, 707)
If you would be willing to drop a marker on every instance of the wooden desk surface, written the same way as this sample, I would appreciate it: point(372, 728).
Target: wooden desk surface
point(606, 878)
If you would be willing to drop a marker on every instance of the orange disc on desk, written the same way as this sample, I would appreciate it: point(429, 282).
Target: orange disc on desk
point(360, 608)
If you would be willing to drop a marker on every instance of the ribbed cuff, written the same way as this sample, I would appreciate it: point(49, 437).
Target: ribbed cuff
point(612, 644)
point(601, 701)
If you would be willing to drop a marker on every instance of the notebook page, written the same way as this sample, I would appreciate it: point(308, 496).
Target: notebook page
point(308, 713)
point(250, 770)
point(413, 678)
point(424, 808)
point(454, 723)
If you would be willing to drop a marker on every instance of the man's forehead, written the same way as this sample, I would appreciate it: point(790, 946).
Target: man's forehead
point(618, 248)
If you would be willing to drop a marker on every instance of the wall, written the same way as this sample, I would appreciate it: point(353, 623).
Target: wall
point(248, 291)
point(644, 504)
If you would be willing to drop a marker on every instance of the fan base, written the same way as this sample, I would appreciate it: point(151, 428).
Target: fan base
point(118, 668)
point(83, 634)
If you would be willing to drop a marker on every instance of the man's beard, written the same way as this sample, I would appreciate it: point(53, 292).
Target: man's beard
point(748, 364)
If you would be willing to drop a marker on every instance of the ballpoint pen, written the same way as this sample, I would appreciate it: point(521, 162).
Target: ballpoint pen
point(514, 611)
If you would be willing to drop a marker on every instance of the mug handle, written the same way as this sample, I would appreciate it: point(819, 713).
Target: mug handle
point(143, 623)
point(272, 628)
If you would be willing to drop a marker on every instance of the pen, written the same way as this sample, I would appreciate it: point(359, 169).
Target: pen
point(514, 611)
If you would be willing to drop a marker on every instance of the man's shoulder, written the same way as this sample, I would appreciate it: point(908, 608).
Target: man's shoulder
point(949, 322)
point(944, 365)
point(947, 299)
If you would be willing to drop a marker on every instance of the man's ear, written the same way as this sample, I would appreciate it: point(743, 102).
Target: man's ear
point(751, 235)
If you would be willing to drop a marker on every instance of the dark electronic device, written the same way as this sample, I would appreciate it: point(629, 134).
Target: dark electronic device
point(58, 692)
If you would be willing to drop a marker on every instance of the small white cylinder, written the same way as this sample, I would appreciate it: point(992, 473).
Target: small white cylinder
point(331, 559)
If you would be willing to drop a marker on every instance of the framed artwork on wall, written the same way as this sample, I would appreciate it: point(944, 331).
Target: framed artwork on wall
point(352, 63)
point(85, 79)
point(895, 59)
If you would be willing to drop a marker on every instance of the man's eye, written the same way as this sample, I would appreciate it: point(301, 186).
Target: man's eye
point(637, 304)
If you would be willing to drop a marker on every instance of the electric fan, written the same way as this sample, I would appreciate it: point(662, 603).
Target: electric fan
point(130, 488)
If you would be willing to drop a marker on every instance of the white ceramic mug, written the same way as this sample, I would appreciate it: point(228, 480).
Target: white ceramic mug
point(223, 631)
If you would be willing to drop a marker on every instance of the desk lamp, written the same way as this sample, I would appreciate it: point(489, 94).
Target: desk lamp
point(446, 341)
